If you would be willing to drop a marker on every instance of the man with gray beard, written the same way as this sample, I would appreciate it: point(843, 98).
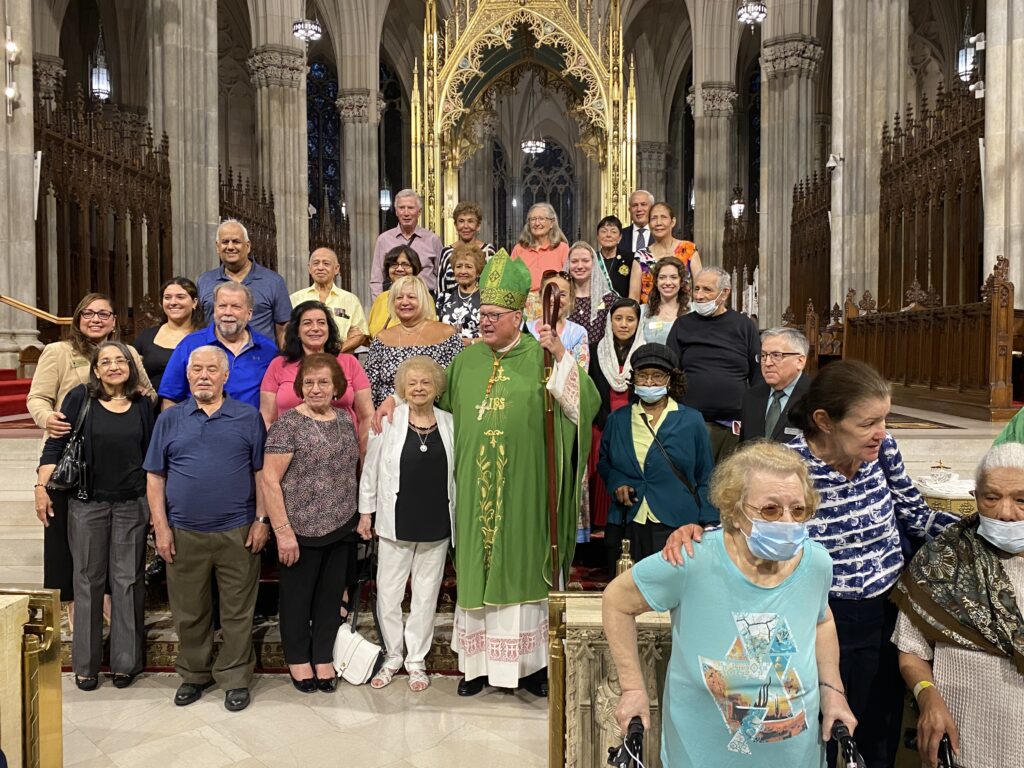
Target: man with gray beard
point(249, 353)
point(202, 468)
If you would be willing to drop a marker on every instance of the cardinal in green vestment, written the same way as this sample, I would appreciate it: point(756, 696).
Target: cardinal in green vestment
point(496, 394)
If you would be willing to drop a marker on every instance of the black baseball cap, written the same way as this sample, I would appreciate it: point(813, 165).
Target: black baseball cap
point(654, 356)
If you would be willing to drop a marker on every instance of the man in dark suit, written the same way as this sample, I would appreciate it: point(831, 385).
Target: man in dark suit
point(637, 235)
point(766, 405)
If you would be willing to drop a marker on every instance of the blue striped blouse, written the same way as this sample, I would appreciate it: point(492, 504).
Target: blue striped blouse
point(859, 520)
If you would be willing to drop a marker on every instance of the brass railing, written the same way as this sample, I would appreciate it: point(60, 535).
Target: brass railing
point(42, 314)
point(556, 679)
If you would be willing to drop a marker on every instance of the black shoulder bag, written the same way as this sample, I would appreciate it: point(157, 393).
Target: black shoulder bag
point(678, 473)
point(71, 471)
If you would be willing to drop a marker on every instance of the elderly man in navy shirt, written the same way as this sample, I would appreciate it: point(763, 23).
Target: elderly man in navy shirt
point(271, 308)
point(202, 469)
point(249, 353)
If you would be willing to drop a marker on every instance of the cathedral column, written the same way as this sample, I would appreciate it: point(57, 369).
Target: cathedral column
point(788, 66)
point(651, 163)
point(869, 55)
point(17, 227)
point(714, 161)
point(278, 75)
point(476, 178)
point(1004, 137)
point(359, 136)
point(183, 104)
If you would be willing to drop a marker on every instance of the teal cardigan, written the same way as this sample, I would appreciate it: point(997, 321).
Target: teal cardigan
point(685, 438)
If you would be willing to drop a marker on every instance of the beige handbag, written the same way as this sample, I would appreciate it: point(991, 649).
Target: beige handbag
point(355, 657)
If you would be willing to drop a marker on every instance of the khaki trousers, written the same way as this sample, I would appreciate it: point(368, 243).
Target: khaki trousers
point(198, 556)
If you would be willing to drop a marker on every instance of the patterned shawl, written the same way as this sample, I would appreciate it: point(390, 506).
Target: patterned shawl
point(956, 591)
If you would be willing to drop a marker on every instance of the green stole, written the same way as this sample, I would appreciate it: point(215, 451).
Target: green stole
point(502, 542)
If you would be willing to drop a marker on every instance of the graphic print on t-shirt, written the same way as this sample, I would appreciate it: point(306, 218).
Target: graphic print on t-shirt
point(755, 688)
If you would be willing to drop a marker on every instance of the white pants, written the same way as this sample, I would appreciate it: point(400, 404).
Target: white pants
point(504, 643)
point(396, 560)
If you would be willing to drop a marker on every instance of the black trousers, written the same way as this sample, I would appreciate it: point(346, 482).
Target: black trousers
point(644, 540)
point(58, 571)
point(869, 666)
point(311, 592)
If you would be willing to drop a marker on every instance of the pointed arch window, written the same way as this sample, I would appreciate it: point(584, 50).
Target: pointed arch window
point(549, 177)
point(323, 128)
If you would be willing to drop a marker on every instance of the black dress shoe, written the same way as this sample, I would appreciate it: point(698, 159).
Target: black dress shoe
point(329, 685)
point(123, 681)
point(87, 683)
point(537, 683)
point(304, 686)
point(471, 687)
point(188, 693)
point(237, 699)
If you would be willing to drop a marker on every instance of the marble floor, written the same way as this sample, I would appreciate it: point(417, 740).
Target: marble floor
point(356, 726)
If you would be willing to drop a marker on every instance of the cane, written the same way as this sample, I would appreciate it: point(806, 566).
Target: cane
point(551, 301)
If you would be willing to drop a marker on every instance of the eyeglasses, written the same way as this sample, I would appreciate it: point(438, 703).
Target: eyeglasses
point(644, 379)
point(539, 219)
point(102, 314)
point(778, 357)
point(322, 383)
point(107, 363)
point(772, 512)
point(493, 317)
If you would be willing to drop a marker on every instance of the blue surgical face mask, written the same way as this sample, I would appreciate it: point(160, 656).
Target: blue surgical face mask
point(777, 541)
point(1008, 536)
point(651, 394)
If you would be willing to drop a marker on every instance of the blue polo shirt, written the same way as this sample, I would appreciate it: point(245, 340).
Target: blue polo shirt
point(208, 462)
point(270, 302)
point(246, 373)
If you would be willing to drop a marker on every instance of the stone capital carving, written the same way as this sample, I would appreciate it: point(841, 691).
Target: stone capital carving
point(691, 98)
point(354, 105)
point(784, 56)
point(50, 73)
point(652, 154)
point(719, 99)
point(382, 105)
point(276, 65)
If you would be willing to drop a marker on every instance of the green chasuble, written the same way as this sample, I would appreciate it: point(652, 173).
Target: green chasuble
point(502, 544)
point(1013, 432)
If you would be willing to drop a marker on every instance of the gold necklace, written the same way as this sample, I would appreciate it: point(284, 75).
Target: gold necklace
point(495, 369)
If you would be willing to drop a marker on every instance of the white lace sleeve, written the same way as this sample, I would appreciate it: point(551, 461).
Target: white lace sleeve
point(564, 386)
point(909, 639)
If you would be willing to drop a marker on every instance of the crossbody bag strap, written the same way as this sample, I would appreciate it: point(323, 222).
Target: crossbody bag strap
point(81, 419)
point(678, 473)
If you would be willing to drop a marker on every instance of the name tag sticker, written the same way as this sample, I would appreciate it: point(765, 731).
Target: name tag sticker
point(792, 431)
point(736, 427)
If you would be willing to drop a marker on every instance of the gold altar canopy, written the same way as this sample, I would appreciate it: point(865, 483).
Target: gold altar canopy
point(479, 42)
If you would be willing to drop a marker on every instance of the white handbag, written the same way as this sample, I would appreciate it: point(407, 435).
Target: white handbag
point(355, 657)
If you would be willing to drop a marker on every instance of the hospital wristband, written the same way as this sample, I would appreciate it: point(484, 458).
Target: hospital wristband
point(921, 686)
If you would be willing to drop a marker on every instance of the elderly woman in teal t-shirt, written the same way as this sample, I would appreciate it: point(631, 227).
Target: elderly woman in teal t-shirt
point(754, 651)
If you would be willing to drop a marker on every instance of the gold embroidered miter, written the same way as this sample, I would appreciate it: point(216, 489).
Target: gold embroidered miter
point(505, 282)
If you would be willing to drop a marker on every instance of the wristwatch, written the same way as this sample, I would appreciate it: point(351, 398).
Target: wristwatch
point(263, 519)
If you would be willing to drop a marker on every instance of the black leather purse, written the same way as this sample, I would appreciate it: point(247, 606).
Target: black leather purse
point(71, 472)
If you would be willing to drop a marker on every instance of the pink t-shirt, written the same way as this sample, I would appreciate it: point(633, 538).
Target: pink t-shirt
point(280, 379)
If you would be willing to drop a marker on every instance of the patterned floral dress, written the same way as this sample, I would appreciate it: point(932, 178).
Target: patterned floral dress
point(382, 362)
point(581, 315)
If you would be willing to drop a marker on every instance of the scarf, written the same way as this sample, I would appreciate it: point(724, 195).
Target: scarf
point(609, 361)
point(956, 591)
point(600, 283)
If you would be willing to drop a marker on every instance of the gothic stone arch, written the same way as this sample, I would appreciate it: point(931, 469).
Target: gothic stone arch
point(468, 50)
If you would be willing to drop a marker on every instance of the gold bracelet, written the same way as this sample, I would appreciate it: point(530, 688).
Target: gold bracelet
point(282, 527)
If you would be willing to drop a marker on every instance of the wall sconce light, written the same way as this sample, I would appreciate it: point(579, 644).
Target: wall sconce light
point(11, 55)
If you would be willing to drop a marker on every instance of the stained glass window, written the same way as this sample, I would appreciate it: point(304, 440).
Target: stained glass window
point(323, 127)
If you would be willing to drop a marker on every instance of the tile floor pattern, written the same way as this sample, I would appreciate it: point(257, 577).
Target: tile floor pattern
point(390, 728)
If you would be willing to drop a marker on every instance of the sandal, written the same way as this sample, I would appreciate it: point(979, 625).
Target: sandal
point(418, 680)
point(383, 677)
